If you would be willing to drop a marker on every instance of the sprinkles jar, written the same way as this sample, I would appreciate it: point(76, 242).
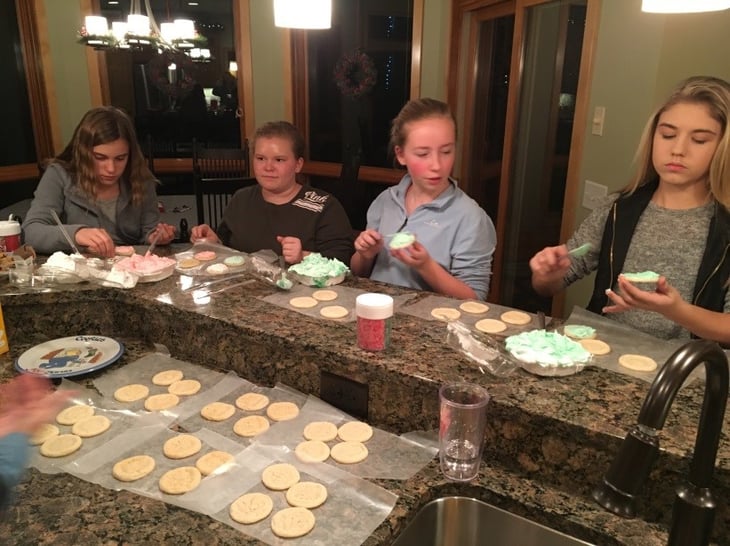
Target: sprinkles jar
point(374, 316)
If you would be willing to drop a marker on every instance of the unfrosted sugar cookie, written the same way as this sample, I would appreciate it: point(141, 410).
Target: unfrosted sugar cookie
point(445, 313)
point(324, 295)
point(159, 402)
point(474, 307)
point(250, 426)
point(188, 263)
point(250, 508)
point(184, 387)
point(303, 302)
point(639, 363)
point(334, 311)
point(133, 468)
point(72, 414)
point(595, 346)
point(292, 522)
point(180, 480)
point(43, 433)
point(282, 411)
point(252, 401)
point(167, 378)
point(490, 326)
point(306, 494)
point(131, 393)
point(312, 451)
point(182, 446)
point(91, 426)
point(210, 462)
point(280, 476)
point(516, 317)
point(217, 411)
point(355, 431)
point(349, 452)
point(324, 431)
point(61, 445)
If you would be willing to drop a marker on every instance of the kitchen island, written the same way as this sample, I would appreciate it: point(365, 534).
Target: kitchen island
point(549, 440)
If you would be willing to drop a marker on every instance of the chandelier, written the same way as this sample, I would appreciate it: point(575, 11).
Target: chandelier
point(305, 14)
point(683, 6)
point(140, 31)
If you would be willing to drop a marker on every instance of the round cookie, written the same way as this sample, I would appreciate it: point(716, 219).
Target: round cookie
point(324, 431)
point(159, 402)
point(217, 269)
point(208, 463)
point(72, 414)
point(180, 480)
point(251, 425)
point(188, 263)
point(303, 302)
point(91, 426)
point(638, 363)
point(234, 261)
point(181, 446)
point(280, 476)
point(579, 331)
point(445, 313)
point(250, 508)
point(217, 411)
point(402, 239)
point(43, 433)
point(184, 387)
point(306, 494)
point(334, 311)
point(133, 468)
point(474, 307)
point(167, 378)
point(292, 522)
point(131, 393)
point(205, 255)
point(123, 250)
point(355, 431)
point(282, 411)
point(349, 452)
point(61, 445)
point(324, 295)
point(516, 317)
point(312, 451)
point(490, 326)
point(595, 346)
point(252, 401)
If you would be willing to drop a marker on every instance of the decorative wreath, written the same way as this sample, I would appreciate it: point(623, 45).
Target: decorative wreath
point(355, 74)
point(157, 69)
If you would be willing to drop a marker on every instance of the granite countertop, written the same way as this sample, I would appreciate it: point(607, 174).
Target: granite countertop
point(549, 440)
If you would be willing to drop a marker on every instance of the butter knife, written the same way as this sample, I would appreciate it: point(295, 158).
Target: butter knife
point(153, 244)
point(65, 233)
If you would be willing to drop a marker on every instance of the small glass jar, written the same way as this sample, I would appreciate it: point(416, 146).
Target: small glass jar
point(374, 316)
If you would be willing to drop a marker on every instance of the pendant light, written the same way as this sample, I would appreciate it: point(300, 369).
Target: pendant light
point(683, 6)
point(306, 14)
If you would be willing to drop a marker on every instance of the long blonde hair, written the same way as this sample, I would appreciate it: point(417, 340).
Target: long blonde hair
point(101, 126)
point(713, 93)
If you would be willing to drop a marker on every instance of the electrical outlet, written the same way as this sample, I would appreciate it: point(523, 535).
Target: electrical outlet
point(346, 394)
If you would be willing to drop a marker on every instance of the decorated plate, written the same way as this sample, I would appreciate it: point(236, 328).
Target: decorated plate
point(69, 356)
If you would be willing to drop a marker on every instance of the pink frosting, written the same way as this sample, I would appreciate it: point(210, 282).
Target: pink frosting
point(205, 255)
point(144, 265)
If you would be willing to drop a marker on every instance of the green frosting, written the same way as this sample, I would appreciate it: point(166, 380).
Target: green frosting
point(402, 239)
point(546, 349)
point(579, 331)
point(643, 276)
point(315, 265)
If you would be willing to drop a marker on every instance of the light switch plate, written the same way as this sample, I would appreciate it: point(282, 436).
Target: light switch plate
point(593, 194)
point(599, 117)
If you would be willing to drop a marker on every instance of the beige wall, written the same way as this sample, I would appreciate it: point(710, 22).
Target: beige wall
point(639, 58)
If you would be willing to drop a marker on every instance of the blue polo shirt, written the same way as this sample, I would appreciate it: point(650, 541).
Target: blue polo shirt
point(455, 230)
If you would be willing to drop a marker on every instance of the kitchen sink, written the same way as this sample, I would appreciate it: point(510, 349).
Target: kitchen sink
point(463, 521)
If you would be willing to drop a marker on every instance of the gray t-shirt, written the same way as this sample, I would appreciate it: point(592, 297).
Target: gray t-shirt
point(108, 208)
point(668, 241)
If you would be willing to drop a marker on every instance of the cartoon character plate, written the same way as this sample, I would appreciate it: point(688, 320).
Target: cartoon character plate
point(69, 356)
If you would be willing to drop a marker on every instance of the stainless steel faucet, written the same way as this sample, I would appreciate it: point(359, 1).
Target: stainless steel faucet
point(694, 506)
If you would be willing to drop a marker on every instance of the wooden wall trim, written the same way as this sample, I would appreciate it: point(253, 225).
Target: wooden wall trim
point(24, 171)
point(242, 41)
point(35, 78)
point(416, 48)
point(374, 175)
point(96, 63)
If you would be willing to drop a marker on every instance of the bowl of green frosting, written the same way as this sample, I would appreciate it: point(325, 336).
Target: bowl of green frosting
point(316, 270)
point(547, 353)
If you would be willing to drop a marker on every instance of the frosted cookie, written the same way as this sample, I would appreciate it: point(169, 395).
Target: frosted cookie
point(355, 431)
point(334, 311)
point(43, 433)
point(61, 445)
point(181, 446)
point(159, 402)
point(324, 295)
point(180, 480)
point(595, 346)
point(131, 393)
point(234, 261)
point(205, 255)
point(210, 462)
point(250, 426)
point(303, 302)
point(167, 378)
point(184, 387)
point(217, 269)
point(282, 411)
point(123, 250)
point(292, 522)
point(323, 431)
point(91, 426)
point(445, 313)
point(217, 411)
point(579, 331)
point(643, 276)
point(490, 326)
point(638, 363)
point(546, 349)
point(72, 414)
point(188, 263)
point(280, 476)
point(402, 239)
point(252, 401)
point(474, 307)
point(312, 451)
point(250, 508)
point(349, 452)
point(516, 317)
point(133, 468)
point(306, 494)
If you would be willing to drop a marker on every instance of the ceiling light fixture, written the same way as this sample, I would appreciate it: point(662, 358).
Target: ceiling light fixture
point(683, 6)
point(306, 14)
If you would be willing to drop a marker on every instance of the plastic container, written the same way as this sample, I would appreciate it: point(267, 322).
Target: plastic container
point(9, 235)
point(374, 316)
